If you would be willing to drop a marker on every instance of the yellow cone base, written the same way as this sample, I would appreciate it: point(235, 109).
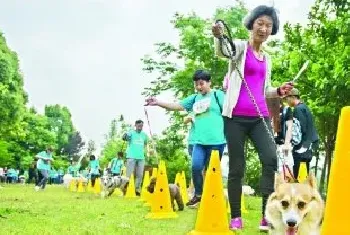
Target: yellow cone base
point(193, 232)
point(161, 215)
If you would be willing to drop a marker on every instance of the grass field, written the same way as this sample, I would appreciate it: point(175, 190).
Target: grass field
point(58, 211)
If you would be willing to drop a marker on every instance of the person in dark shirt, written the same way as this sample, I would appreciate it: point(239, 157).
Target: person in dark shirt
point(302, 152)
point(32, 174)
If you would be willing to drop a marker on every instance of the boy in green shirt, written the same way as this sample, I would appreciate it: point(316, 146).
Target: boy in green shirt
point(44, 165)
point(116, 164)
point(208, 126)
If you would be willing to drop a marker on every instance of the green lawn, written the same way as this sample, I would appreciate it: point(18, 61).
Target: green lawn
point(58, 211)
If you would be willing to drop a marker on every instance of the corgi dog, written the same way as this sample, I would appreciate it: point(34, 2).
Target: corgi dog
point(295, 208)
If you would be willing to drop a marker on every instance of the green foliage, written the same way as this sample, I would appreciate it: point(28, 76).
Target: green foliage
point(114, 142)
point(178, 164)
point(253, 167)
point(12, 95)
point(60, 123)
point(194, 51)
point(4, 153)
point(325, 85)
point(24, 132)
point(173, 68)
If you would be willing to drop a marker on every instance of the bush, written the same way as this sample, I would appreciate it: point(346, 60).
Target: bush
point(253, 168)
point(177, 164)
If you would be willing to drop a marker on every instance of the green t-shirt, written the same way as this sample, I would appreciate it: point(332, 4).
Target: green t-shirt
point(41, 164)
point(73, 169)
point(208, 127)
point(190, 138)
point(116, 165)
point(94, 166)
point(136, 147)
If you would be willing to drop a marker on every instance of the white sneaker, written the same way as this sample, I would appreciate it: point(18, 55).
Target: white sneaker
point(37, 188)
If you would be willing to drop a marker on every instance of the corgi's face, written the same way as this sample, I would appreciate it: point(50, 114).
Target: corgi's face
point(294, 201)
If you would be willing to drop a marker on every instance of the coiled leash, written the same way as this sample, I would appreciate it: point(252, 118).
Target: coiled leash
point(232, 53)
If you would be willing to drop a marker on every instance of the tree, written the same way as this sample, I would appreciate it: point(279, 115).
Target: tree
point(195, 51)
point(5, 156)
point(173, 67)
point(114, 142)
point(60, 122)
point(326, 84)
point(12, 95)
point(24, 132)
point(74, 145)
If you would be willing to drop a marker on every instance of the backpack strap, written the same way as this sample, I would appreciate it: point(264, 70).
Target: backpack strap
point(217, 101)
point(114, 162)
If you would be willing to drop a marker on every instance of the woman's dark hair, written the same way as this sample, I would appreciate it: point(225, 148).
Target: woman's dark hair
point(92, 157)
point(263, 11)
point(201, 75)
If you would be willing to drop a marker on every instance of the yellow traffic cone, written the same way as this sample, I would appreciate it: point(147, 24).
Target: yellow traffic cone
point(183, 187)
point(73, 185)
point(212, 214)
point(97, 188)
point(177, 178)
point(151, 196)
point(90, 189)
point(302, 176)
point(80, 186)
point(337, 210)
point(161, 205)
point(145, 183)
point(130, 191)
point(123, 171)
point(154, 172)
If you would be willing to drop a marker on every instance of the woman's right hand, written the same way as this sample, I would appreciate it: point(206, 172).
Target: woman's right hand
point(152, 101)
point(218, 29)
point(187, 119)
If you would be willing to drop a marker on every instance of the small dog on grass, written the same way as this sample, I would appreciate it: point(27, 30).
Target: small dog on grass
point(175, 194)
point(295, 208)
point(111, 183)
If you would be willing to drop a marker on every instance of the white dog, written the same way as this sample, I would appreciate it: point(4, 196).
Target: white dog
point(111, 183)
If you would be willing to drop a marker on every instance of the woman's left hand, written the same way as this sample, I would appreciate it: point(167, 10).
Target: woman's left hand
point(286, 88)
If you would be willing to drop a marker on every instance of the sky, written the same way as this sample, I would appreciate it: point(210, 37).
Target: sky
point(85, 54)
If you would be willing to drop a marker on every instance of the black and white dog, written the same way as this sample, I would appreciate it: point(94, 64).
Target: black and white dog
point(111, 183)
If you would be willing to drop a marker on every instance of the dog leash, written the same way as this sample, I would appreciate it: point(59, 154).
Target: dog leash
point(151, 135)
point(251, 96)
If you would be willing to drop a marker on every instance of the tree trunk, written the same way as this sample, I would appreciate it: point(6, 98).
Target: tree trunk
point(323, 176)
point(329, 163)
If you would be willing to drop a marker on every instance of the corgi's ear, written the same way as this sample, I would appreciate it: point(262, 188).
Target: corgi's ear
point(311, 180)
point(278, 180)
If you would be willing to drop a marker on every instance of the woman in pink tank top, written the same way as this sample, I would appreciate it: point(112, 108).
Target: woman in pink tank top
point(241, 119)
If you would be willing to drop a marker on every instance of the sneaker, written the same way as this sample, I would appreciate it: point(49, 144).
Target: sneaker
point(236, 224)
point(138, 194)
point(193, 203)
point(36, 188)
point(264, 226)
